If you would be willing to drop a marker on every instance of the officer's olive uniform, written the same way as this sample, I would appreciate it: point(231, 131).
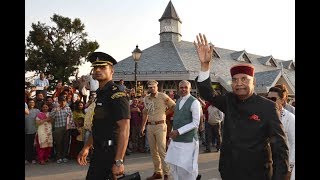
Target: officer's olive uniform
point(112, 105)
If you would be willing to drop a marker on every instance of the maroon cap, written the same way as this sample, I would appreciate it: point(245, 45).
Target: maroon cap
point(242, 69)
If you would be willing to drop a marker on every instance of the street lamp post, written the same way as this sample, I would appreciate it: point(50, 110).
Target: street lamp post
point(136, 54)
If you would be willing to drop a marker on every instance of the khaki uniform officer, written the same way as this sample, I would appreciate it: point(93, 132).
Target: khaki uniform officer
point(156, 106)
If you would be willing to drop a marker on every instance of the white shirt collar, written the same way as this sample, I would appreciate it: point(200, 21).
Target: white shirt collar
point(186, 97)
point(183, 100)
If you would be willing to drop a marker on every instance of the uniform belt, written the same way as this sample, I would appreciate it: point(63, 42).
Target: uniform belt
point(155, 122)
point(103, 144)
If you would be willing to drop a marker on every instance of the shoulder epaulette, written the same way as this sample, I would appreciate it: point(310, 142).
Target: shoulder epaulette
point(118, 95)
point(114, 88)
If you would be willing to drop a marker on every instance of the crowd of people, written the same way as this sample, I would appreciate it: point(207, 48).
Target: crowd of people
point(103, 126)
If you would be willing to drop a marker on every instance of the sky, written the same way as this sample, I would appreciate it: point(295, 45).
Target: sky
point(262, 27)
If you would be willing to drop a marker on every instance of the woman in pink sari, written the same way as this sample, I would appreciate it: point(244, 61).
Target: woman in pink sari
point(44, 140)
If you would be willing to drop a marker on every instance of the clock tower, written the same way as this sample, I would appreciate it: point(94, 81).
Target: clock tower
point(170, 25)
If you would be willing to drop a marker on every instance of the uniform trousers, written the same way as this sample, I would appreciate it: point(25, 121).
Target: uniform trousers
point(101, 164)
point(157, 143)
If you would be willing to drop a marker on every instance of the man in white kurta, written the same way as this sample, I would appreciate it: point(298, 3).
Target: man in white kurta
point(288, 120)
point(183, 150)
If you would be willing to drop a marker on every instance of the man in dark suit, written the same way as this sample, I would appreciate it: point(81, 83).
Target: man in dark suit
point(254, 145)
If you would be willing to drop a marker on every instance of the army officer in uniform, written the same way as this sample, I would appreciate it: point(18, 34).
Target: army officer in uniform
point(110, 125)
point(254, 143)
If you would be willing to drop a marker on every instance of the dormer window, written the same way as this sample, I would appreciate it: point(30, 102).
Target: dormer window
point(244, 58)
point(271, 62)
point(292, 66)
point(241, 56)
point(288, 64)
point(268, 61)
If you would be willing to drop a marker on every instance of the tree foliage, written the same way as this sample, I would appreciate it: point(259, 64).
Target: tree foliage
point(57, 50)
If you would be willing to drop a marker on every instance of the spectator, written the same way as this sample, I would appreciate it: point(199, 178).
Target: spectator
point(26, 109)
point(63, 120)
point(83, 87)
point(89, 112)
point(285, 103)
point(122, 87)
point(30, 132)
point(213, 128)
point(80, 138)
point(49, 102)
point(42, 85)
point(288, 120)
point(40, 100)
point(78, 115)
point(44, 139)
point(58, 89)
point(94, 84)
point(135, 125)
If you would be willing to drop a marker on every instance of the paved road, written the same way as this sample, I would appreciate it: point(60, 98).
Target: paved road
point(142, 162)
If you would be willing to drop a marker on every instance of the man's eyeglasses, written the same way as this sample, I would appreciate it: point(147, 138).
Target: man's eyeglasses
point(243, 80)
point(274, 99)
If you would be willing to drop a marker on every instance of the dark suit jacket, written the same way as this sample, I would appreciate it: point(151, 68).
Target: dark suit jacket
point(253, 144)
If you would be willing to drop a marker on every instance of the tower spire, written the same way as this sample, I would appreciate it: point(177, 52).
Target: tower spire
point(170, 25)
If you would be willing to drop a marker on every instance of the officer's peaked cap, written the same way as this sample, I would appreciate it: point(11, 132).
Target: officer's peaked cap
point(101, 59)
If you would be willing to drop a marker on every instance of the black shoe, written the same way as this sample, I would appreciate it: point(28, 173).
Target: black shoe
point(198, 177)
point(218, 149)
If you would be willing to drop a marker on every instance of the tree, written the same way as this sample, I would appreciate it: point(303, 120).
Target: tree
point(58, 50)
